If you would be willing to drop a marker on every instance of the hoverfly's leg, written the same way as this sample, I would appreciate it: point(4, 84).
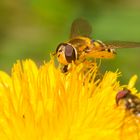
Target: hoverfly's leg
point(99, 73)
point(89, 64)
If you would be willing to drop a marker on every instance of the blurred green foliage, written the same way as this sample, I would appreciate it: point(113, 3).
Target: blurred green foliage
point(33, 28)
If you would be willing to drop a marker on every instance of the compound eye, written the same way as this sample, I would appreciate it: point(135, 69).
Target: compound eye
point(70, 53)
point(121, 94)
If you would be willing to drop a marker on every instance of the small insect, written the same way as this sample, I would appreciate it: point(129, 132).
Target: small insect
point(81, 46)
point(131, 121)
point(131, 102)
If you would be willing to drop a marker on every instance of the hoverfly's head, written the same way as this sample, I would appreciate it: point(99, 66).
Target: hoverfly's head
point(66, 53)
point(122, 95)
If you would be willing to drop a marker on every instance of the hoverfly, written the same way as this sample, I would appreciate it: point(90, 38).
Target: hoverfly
point(81, 46)
point(131, 121)
point(132, 102)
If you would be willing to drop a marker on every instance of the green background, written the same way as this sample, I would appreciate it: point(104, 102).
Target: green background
point(33, 29)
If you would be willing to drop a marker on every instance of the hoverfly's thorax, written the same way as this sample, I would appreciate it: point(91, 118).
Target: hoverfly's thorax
point(80, 43)
point(66, 53)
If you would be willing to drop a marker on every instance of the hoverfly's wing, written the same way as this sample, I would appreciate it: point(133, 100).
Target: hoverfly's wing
point(80, 27)
point(130, 127)
point(121, 44)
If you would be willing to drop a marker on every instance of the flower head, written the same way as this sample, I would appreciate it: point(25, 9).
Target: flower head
point(45, 104)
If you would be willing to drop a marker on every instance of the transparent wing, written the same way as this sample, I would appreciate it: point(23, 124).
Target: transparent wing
point(121, 44)
point(80, 27)
point(130, 128)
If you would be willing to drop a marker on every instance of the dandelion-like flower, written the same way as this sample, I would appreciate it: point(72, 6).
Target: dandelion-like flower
point(45, 104)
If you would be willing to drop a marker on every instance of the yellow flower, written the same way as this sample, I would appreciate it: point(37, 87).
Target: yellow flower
point(45, 104)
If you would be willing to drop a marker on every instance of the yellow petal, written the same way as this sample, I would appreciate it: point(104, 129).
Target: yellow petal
point(41, 103)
